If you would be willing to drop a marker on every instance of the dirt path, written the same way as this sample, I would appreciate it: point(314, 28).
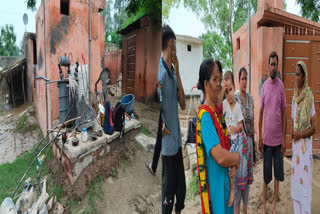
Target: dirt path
point(14, 144)
point(285, 204)
point(135, 190)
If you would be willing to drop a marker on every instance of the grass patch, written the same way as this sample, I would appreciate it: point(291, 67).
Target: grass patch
point(23, 125)
point(193, 188)
point(145, 131)
point(124, 163)
point(59, 193)
point(95, 193)
point(114, 173)
point(11, 173)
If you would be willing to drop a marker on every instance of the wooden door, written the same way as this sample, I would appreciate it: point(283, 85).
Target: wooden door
point(306, 49)
point(315, 85)
point(128, 65)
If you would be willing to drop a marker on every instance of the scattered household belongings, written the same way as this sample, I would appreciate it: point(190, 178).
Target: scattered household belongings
point(87, 115)
point(64, 61)
point(7, 207)
point(127, 102)
point(42, 200)
point(27, 198)
point(75, 141)
point(105, 79)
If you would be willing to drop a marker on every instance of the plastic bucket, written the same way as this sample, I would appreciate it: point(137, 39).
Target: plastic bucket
point(127, 102)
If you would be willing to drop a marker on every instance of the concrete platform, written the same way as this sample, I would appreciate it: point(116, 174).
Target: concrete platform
point(76, 158)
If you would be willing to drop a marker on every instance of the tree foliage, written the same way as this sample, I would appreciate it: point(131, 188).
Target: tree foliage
point(7, 41)
point(214, 46)
point(153, 8)
point(215, 16)
point(31, 4)
point(310, 9)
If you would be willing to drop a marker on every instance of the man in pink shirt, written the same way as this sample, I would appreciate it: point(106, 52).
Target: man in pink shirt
point(272, 146)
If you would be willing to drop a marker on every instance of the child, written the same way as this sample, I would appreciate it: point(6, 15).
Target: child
point(233, 117)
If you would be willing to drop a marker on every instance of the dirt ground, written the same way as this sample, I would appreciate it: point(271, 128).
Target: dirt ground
point(285, 204)
point(136, 191)
point(14, 144)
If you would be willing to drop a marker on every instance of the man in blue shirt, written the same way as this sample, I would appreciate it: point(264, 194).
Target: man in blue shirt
point(173, 177)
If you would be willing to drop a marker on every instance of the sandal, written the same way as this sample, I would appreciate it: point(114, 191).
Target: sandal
point(148, 167)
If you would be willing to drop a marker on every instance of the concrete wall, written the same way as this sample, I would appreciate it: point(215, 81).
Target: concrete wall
point(189, 63)
point(109, 47)
point(264, 40)
point(112, 60)
point(58, 34)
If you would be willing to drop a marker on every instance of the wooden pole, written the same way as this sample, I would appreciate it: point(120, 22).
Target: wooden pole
point(13, 100)
point(24, 94)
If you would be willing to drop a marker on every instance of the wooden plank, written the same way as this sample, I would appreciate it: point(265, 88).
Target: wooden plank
point(131, 66)
point(289, 95)
point(303, 38)
point(130, 83)
point(131, 75)
point(289, 80)
point(22, 79)
point(317, 108)
point(289, 122)
point(13, 99)
point(296, 49)
point(290, 65)
point(132, 42)
point(288, 142)
point(317, 73)
point(130, 90)
point(288, 111)
point(131, 59)
point(132, 51)
point(123, 66)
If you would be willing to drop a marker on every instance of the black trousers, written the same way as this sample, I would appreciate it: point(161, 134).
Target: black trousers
point(157, 147)
point(173, 183)
point(269, 153)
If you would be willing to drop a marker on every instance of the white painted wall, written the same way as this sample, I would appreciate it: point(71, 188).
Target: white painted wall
point(189, 62)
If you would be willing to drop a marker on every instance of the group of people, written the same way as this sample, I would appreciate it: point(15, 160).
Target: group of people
point(225, 135)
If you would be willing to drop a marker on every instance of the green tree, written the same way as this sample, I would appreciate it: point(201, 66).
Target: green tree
point(31, 4)
point(221, 18)
point(310, 9)
point(153, 8)
point(7, 41)
point(214, 46)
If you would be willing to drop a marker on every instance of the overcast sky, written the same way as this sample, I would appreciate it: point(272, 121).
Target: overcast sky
point(180, 19)
point(185, 22)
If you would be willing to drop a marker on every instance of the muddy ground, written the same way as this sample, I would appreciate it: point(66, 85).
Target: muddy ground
point(13, 143)
point(135, 190)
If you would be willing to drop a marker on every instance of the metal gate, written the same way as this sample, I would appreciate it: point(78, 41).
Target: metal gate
point(307, 49)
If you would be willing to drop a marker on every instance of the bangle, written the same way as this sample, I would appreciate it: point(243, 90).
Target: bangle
point(163, 126)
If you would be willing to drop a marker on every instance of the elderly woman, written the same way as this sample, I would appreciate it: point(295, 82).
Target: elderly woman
point(247, 107)
point(212, 145)
point(303, 127)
